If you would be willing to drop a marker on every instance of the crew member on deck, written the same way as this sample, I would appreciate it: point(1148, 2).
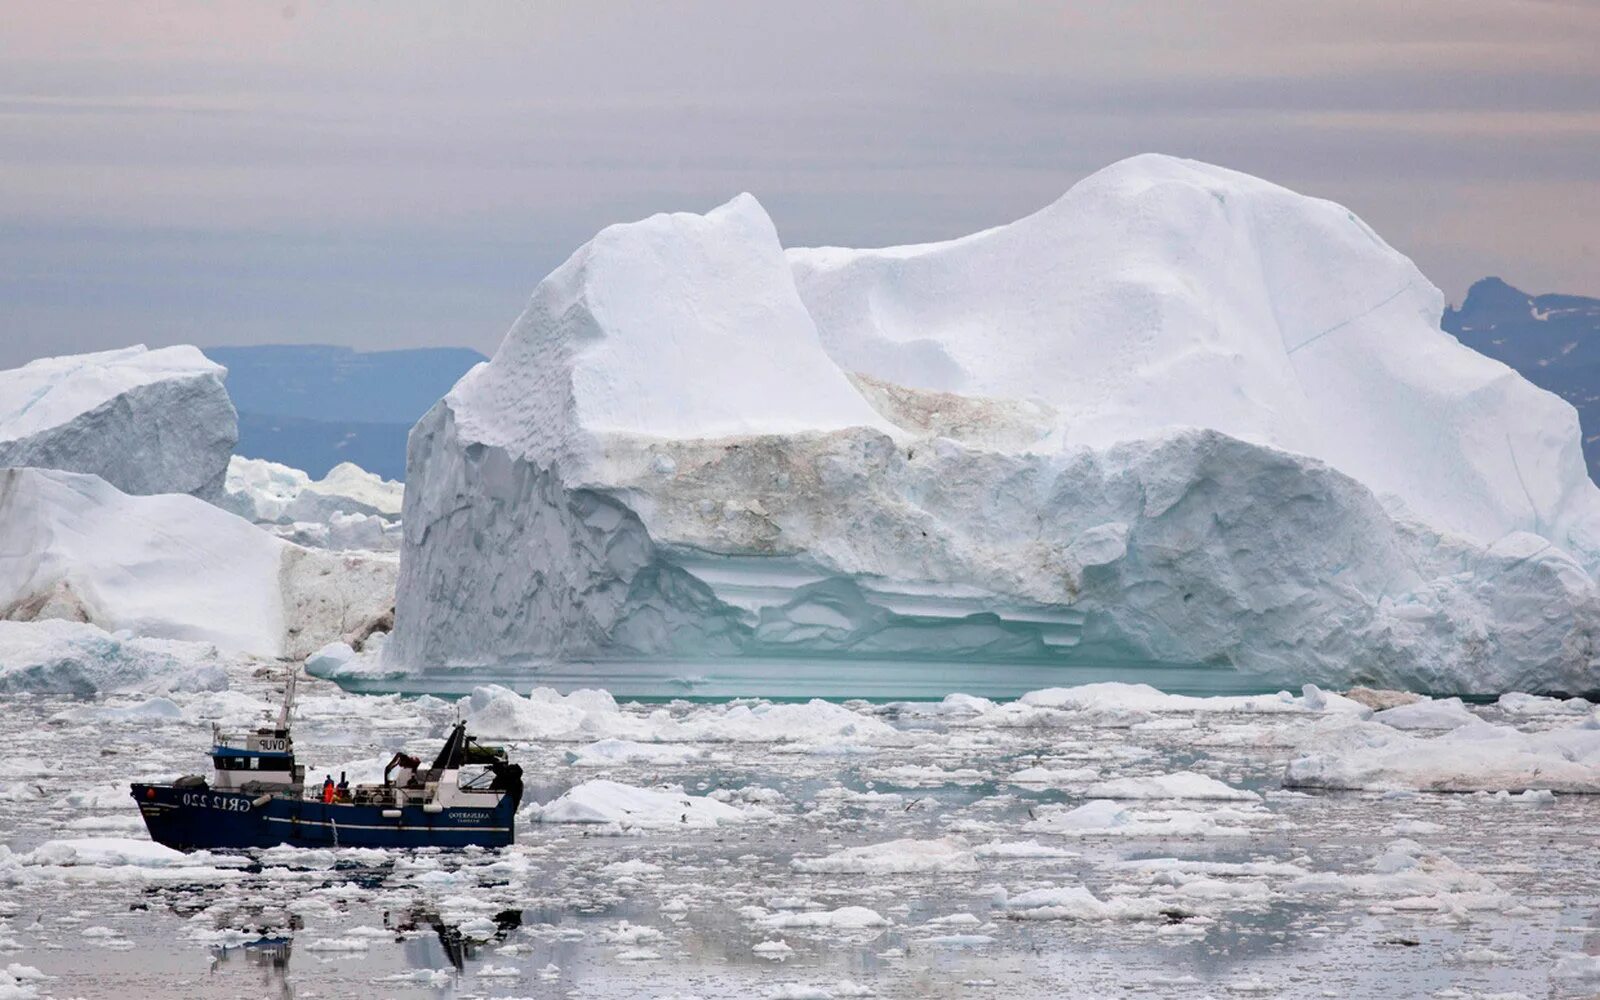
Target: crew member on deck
point(327, 788)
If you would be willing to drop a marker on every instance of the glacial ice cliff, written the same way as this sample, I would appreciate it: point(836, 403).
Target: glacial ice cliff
point(145, 421)
point(1181, 416)
point(74, 548)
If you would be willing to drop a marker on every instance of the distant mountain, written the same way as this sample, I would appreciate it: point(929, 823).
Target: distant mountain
point(314, 406)
point(1553, 340)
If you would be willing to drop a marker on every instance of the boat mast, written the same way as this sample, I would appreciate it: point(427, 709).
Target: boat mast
point(288, 696)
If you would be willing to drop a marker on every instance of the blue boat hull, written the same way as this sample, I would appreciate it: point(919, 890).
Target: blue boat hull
point(207, 819)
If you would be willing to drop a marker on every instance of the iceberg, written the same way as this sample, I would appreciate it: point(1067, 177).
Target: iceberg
point(145, 421)
point(260, 490)
point(1180, 417)
point(74, 547)
point(73, 658)
point(349, 508)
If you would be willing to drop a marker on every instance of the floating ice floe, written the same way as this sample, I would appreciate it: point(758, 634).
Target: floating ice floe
point(1106, 818)
point(777, 950)
point(105, 851)
point(1077, 903)
point(114, 859)
point(929, 775)
point(1518, 704)
point(500, 713)
point(1412, 877)
point(20, 982)
point(1427, 713)
point(1118, 696)
point(1577, 966)
point(1183, 785)
point(1477, 756)
point(608, 752)
point(630, 808)
point(1023, 849)
point(153, 711)
point(951, 705)
point(895, 857)
point(846, 918)
point(329, 658)
point(632, 868)
point(1140, 705)
point(838, 990)
point(1167, 868)
point(1053, 775)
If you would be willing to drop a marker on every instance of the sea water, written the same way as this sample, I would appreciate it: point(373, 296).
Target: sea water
point(1280, 894)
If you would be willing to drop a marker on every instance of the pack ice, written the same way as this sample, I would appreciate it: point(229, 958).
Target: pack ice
point(1180, 416)
point(144, 421)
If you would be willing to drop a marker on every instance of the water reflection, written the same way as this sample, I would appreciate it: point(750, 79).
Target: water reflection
point(268, 954)
point(458, 948)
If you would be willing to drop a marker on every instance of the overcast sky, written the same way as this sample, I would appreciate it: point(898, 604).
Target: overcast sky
point(394, 175)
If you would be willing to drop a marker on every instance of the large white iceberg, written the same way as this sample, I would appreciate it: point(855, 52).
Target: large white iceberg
point(74, 547)
point(145, 421)
point(1181, 416)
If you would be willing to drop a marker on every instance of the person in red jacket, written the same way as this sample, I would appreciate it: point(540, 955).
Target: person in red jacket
point(327, 789)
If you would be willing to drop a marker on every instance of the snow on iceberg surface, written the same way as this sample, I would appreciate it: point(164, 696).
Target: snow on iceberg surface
point(145, 421)
point(1164, 293)
point(172, 567)
point(1182, 416)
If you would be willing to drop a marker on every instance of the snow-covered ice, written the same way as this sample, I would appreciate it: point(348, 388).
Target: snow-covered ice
point(1182, 785)
point(175, 567)
point(629, 808)
point(896, 857)
point(145, 421)
point(1427, 713)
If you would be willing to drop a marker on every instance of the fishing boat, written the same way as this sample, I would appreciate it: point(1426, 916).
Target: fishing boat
point(257, 797)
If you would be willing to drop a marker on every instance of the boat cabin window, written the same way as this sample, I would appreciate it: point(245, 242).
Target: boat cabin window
point(232, 763)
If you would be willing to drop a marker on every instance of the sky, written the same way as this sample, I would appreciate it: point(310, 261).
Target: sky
point(398, 174)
